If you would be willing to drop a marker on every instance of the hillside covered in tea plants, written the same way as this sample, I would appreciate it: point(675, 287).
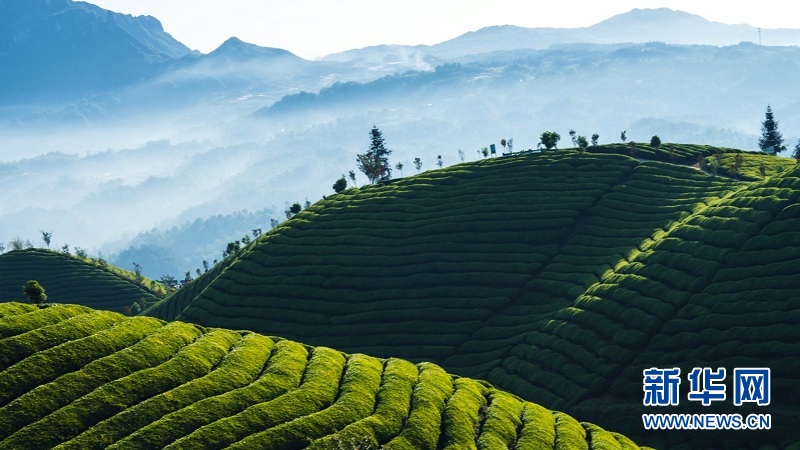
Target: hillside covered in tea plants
point(558, 276)
point(73, 279)
point(76, 378)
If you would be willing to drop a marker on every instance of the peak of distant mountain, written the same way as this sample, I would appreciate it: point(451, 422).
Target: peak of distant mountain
point(236, 48)
point(670, 26)
point(635, 26)
point(662, 16)
point(66, 49)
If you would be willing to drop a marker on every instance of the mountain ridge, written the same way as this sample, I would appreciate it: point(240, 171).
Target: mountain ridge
point(640, 25)
point(68, 50)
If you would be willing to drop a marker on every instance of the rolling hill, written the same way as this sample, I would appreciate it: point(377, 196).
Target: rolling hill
point(558, 276)
point(73, 377)
point(72, 279)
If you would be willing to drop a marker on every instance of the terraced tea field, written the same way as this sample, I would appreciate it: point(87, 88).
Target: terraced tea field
point(76, 378)
point(557, 276)
point(72, 279)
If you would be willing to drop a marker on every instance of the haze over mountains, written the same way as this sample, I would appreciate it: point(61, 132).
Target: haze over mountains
point(110, 127)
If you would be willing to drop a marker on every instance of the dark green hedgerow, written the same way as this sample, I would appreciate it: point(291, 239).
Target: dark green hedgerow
point(72, 279)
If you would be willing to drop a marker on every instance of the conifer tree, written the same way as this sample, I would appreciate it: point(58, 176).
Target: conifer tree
point(375, 163)
point(770, 136)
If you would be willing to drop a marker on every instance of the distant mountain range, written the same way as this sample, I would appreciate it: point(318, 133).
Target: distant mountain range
point(61, 49)
point(637, 26)
point(102, 111)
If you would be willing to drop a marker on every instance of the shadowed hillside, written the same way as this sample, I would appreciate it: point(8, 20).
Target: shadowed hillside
point(558, 276)
point(75, 280)
point(72, 377)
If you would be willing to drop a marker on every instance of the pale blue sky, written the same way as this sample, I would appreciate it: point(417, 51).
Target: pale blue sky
point(314, 28)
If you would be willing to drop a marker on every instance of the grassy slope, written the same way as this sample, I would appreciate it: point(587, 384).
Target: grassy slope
point(76, 378)
point(558, 276)
point(70, 279)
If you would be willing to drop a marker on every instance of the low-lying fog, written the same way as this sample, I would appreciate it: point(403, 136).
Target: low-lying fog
point(177, 155)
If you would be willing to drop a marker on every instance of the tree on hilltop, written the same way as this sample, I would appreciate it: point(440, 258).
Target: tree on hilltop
point(293, 210)
point(595, 138)
point(418, 163)
point(581, 143)
point(46, 237)
point(375, 163)
point(35, 292)
point(16, 244)
point(655, 141)
point(549, 139)
point(340, 185)
point(770, 136)
point(623, 136)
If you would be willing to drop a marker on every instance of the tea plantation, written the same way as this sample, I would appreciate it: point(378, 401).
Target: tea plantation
point(72, 279)
point(557, 276)
point(76, 378)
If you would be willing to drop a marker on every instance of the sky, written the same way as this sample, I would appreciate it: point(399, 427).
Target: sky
point(314, 28)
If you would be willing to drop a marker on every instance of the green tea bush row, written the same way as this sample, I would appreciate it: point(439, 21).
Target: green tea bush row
point(14, 324)
point(237, 369)
point(47, 365)
point(284, 371)
point(51, 396)
point(355, 400)
point(423, 426)
point(192, 361)
point(15, 348)
point(502, 422)
point(393, 403)
point(317, 390)
point(462, 422)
